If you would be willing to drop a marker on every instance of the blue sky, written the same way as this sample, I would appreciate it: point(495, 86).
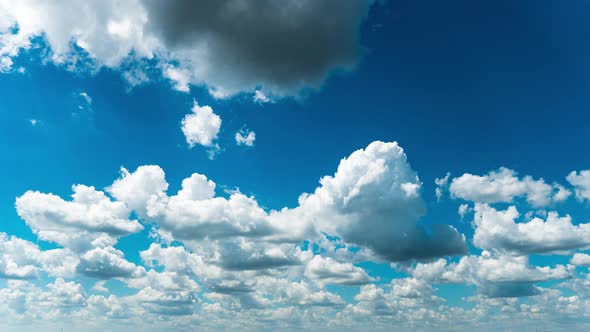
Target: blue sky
point(494, 94)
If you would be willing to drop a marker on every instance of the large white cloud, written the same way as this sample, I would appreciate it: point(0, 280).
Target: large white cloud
point(500, 230)
point(504, 185)
point(265, 49)
point(146, 184)
point(201, 127)
point(22, 259)
point(226, 258)
point(194, 213)
point(106, 263)
point(581, 259)
point(495, 275)
point(406, 300)
point(372, 200)
point(91, 219)
point(17, 258)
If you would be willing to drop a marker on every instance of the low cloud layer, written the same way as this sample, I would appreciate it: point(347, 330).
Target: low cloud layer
point(227, 258)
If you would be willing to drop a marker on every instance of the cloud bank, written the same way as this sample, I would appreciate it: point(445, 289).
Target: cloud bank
point(224, 257)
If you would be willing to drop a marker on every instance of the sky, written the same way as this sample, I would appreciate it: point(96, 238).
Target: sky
point(294, 165)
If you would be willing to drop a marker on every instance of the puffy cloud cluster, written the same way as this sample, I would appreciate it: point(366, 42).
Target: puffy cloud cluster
point(329, 271)
point(226, 258)
point(201, 39)
point(17, 258)
point(495, 275)
point(499, 230)
point(581, 259)
point(89, 220)
point(504, 186)
point(374, 188)
point(242, 254)
point(105, 263)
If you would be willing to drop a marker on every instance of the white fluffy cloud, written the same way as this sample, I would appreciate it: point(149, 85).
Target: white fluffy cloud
point(91, 219)
point(504, 185)
point(226, 258)
point(581, 183)
point(17, 258)
point(580, 259)
point(244, 256)
point(146, 184)
point(374, 188)
point(330, 271)
point(495, 275)
point(21, 259)
point(500, 230)
point(179, 77)
point(201, 39)
point(201, 127)
point(405, 299)
point(106, 263)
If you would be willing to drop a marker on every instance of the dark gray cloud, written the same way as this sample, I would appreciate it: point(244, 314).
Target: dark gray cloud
point(421, 243)
point(280, 45)
point(509, 289)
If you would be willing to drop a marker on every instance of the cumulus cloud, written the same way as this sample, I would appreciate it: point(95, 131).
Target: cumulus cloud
point(165, 293)
point(374, 188)
point(194, 213)
point(89, 220)
point(201, 127)
point(17, 258)
point(330, 271)
point(495, 275)
point(57, 299)
point(256, 263)
point(269, 48)
point(59, 262)
point(581, 183)
point(373, 200)
point(500, 230)
point(21, 259)
point(405, 299)
point(105, 263)
point(504, 185)
point(580, 259)
point(146, 184)
point(179, 77)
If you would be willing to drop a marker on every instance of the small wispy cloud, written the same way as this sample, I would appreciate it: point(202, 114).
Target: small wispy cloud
point(261, 98)
point(245, 137)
